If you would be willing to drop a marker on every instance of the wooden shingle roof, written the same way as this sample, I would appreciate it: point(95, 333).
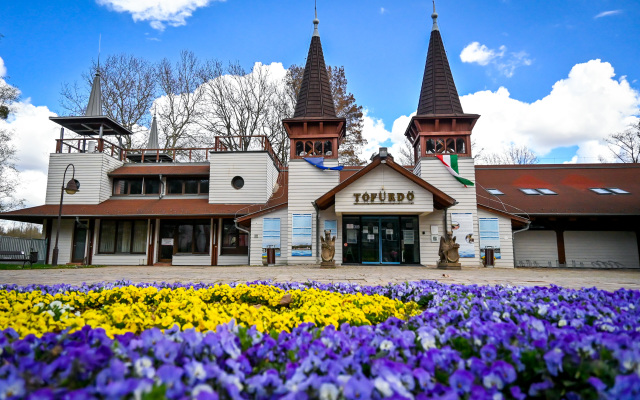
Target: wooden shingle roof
point(314, 98)
point(438, 94)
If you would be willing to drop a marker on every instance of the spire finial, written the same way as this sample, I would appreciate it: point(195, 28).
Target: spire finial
point(434, 16)
point(316, 21)
point(99, 42)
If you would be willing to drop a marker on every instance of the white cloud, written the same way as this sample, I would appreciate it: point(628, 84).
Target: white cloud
point(376, 134)
point(159, 13)
point(580, 110)
point(608, 13)
point(505, 63)
point(3, 68)
point(383, 10)
point(480, 54)
point(33, 139)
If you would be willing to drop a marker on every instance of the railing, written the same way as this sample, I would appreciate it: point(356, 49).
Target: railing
point(185, 154)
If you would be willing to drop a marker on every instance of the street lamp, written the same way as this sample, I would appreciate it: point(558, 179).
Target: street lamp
point(73, 186)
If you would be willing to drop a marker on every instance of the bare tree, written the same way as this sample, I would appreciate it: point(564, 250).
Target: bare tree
point(625, 146)
point(406, 156)
point(8, 173)
point(179, 108)
point(511, 155)
point(128, 90)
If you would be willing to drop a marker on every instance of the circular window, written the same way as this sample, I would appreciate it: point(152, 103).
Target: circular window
point(237, 182)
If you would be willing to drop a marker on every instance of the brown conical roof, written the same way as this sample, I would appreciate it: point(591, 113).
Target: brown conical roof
point(314, 98)
point(438, 94)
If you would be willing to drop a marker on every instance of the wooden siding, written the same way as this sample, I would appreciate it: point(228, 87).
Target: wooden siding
point(593, 249)
point(433, 171)
point(307, 183)
point(428, 249)
point(256, 168)
point(120, 259)
point(256, 237)
point(506, 239)
point(393, 182)
point(64, 242)
point(91, 172)
point(536, 248)
point(191, 259)
point(233, 260)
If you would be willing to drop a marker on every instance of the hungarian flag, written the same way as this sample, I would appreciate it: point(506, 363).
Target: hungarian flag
point(451, 162)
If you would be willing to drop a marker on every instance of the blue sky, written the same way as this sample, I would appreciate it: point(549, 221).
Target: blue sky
point(523, 48)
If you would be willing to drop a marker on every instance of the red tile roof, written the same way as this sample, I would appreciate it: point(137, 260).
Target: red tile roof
point(571, 182)
point(159, 168)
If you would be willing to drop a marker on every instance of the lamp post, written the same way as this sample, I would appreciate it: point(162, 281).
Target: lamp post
point(72, 187)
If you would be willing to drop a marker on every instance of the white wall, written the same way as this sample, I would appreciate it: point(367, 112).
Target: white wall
point(306, 184)
point(433, 171)
point(191, 259)
point(91, 172)
point(256, 237)
point(506, 239)
point(535, 248)
point(393, 182)
point(257, 170)
point(428, 249)
point(64, 241)
point(233, 260)
point(606, 249)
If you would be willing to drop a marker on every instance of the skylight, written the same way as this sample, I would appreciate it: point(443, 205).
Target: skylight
point(601, 191)
point(530, 191)
point(618, 191)
point(546, 191)
point(494, 191)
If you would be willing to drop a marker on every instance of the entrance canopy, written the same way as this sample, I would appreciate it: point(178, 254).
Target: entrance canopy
point(384, 187)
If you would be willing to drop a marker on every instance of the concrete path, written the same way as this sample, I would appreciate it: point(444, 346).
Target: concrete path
point(365, 275)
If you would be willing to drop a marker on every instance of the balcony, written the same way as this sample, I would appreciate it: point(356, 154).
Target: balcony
point(170, 155)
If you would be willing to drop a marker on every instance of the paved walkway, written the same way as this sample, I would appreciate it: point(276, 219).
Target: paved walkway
point(366, 275)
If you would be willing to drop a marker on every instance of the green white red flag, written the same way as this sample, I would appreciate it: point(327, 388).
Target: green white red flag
point(451, 162)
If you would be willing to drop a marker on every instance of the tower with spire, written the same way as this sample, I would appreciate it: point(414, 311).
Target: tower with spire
point(315, 132)
point(439, 129)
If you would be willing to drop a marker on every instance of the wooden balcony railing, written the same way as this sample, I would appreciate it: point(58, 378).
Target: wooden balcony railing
point(185, 154)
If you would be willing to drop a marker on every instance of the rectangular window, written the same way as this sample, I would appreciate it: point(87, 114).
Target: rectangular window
point(201, 238)
point(530, 191)
point(271, 235)
point(151, 186)
point(618, 191)
point(546, 191)
point(601, 191)
point(188, 186)
point(301, 239)
point(185, 238)
point(495, 192)
point(174, 186)
point(123, 237)
point(136, 186)
point(234, 241)
point(107, 237)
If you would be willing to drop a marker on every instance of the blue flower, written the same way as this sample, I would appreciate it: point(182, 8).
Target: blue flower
point(357, 388)
point(553, 359)
point(461, 380)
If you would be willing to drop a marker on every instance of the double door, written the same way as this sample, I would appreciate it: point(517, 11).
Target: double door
point(380, 240)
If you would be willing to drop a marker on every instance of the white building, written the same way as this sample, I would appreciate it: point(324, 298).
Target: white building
point(214, 206)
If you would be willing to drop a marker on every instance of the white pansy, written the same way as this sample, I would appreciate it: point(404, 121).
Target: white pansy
point(562, 322)
point(329, 391)
point(383, 387)
point(387, 345)
point(201, 388)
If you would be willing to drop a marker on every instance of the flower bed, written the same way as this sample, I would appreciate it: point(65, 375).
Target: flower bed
point(466, 342)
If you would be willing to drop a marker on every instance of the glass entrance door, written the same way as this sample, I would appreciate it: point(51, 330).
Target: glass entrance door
point(79, 242)
point(380, 240)
point(370, 240)
point(390, 240)
point(167, 241)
